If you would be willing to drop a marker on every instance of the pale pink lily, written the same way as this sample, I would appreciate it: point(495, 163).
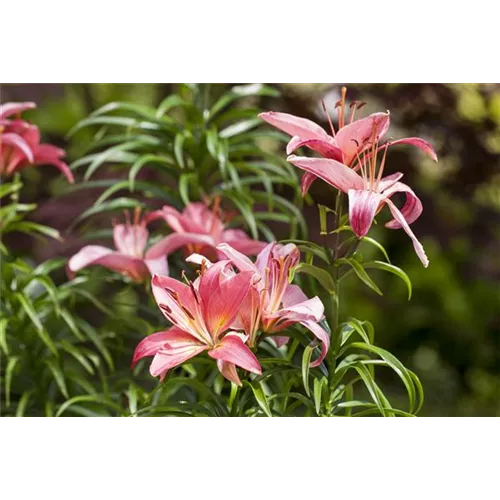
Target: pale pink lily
point(347, 144)
point(20, 143)
point(200, 230)
point(368, 193)
point(273, 304)
point(130, 257)
point(202, 314)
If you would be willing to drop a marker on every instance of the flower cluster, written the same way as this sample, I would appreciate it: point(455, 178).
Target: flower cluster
point(223, 312)
point(349, 163)
point(20, 143)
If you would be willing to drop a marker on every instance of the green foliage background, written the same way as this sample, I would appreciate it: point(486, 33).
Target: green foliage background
point(449, 333)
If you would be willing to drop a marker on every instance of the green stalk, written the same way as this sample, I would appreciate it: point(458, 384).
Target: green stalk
point(334, 271)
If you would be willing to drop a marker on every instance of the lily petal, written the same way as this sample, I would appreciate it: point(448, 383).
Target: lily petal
point(356, 136)
point(309, 310)
point(306, 181)
point(262, 260)
point(222, 299)
point(175, 241)
point(179, 305)
point(233, 350)
point(17, 142)
point(228, 370)
point(12, 108)
point(157, 266)
point(171, 357)
point(294, 295)
point(363, 205)
point(322, 147)
point(242, 262)
point(295, 126)
point(398, 216)
point(411, 209)
point(102, 256)
point(418, 143)
point(151, 344)
point(46, 154)
point(331, 171)
point(130, 239)
point(240, 241)
point(388, 181)
point(321, 335)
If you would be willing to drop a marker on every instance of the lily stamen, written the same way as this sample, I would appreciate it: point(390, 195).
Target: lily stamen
point(328, 117)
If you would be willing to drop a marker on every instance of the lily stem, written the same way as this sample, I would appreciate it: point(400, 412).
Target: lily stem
point(334, 271)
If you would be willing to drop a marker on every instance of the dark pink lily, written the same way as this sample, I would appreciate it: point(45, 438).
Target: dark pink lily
point(368, 192)
point(273, 304)
point(129, 258)
point(202, 314)
point(20, 143)
point(345, 145)
point(200, 230)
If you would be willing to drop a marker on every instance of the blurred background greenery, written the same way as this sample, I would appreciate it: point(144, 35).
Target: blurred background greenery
point(449, 333)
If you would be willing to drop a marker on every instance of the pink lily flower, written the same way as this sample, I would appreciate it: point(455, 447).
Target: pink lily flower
point(345, 145)
point(200, 230)
point(129, 258)
point(20, 143)
point(202, 314)
point(368, 192)
point(273, 304)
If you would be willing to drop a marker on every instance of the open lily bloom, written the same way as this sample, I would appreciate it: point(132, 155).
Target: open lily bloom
point(200, 230)
point(20, 143)
point(130, 257)
point(345, 145)
point(202, 314)
point(273, 304)
point(368, 192)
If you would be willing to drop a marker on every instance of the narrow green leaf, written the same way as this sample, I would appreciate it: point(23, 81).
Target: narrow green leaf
point(108, 155)
point(97, 398)
point(58, 376)
point(396, 365)
point(162, 160)
point(321, 275)
point(116, 204)
point(360, 272)
point(306, 366)
point(32, 314)
point(172, 101)
point(68, 319)
point(23, 403)
point(178, 149)
point(239, 127)
point(113, 120)
point(376, 244)
point(184, 181)
point(50, 265)
point(71, 349)
point(260, 397)
point(29, 227)
point(319, 384)
point(3, 336)
point(9, 188)
point(9, 372)
point(93, 335)
point(383, 266)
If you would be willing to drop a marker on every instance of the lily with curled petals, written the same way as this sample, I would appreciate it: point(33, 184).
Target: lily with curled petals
point(20, 143)
point(368, 192)
point(202, 314)
point(130, 257)
point(347, 144)
point(273, 304)
point(200, 230)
